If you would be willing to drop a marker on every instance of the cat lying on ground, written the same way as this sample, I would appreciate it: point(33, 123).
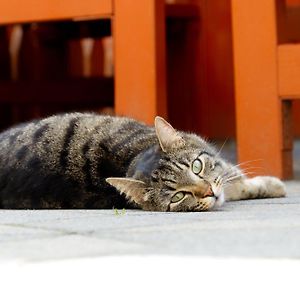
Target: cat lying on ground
point(90, 161)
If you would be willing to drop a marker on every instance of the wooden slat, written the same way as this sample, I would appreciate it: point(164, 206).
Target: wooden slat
point(258, 107)
point(288, 138)
point(183, 11)
point(4, 55)
point(86, 91)
point(20, 11)
point(289, 71)
point(214, 71)
point(139, 51)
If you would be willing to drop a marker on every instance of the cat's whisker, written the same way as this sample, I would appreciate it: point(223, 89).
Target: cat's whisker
point(229, 172)
point(245, 172)
point(219, 152)
point(239, 176)
point(231, 179)
point(233, 176)
point(228, 184)
point(248, 173)
point(228, 175)
point(219, 181)
point(253, 169)
point(246, 162)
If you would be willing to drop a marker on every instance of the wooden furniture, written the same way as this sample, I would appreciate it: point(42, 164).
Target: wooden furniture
point(140, 89)
point(267, 78)
point(198, 56)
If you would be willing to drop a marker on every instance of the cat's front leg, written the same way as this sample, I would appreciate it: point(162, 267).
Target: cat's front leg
point(256, 187)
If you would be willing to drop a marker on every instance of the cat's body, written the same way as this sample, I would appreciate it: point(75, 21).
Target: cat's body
point(64, 161)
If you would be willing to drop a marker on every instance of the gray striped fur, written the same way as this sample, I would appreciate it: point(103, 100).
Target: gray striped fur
point(90, 161)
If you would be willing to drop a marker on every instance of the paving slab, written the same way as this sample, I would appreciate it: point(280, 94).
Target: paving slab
point(266, 228)
point(261, 228)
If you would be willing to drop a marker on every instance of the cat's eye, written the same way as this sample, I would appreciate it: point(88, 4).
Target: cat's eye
point(178, 197)
point(197, 166)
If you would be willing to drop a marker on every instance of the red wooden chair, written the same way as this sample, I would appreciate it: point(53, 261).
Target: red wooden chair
point(138, 93)
point(267, 78)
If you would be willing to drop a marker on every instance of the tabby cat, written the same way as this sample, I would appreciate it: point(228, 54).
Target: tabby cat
point(89, 161)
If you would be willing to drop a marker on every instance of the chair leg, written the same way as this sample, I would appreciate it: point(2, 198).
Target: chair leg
point(259, 110)
point(139, 53)
point(288, 140)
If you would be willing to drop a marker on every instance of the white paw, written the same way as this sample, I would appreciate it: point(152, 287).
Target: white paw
point(273, 186)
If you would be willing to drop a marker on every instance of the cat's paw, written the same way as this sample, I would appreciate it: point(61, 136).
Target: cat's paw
point(273, 187)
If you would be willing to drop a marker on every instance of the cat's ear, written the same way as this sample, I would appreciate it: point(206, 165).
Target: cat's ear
point(132, 188)
point(167, 135)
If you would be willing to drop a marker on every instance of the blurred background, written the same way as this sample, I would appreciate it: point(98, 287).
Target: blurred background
point(49, 67)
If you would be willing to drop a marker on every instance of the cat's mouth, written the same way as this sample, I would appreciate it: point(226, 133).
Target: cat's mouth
point(210, 202)
point(207, 203)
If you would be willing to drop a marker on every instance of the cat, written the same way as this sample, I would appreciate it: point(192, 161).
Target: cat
point(89, 161)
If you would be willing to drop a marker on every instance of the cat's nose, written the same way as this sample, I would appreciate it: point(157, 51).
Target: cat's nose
point(209, 192)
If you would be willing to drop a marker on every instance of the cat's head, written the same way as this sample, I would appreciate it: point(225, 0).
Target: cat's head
point(182, 173)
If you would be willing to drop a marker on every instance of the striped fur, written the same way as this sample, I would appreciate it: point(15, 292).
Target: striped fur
point(62, 161)
point(89, 161)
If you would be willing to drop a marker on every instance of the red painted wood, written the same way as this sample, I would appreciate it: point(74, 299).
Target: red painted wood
point(16, 11)
point(139, 53)
point(260, 111)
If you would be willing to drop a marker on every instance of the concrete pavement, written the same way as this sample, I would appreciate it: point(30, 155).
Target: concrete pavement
point(268, 228)
point(253, 228)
